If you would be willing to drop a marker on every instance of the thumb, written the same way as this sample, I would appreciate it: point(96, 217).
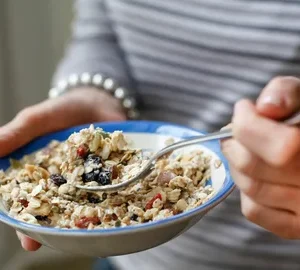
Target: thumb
point(280, 98)
point(72, 109)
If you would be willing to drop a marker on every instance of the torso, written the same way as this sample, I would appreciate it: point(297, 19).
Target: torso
point(190, 61)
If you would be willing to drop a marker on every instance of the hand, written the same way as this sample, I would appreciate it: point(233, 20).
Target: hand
point(264, 158)
point(74, 108)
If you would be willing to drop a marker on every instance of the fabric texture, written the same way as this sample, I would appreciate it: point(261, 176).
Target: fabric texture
point(188, 62)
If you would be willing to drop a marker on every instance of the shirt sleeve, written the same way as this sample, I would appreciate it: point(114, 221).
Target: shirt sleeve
point(93, 46)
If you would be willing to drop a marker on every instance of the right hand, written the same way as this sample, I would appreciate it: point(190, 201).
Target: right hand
point(77, 107)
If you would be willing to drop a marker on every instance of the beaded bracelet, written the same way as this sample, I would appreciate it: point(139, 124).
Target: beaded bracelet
point(100, 82)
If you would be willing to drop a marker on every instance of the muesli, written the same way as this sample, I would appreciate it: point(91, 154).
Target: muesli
point(41, 188)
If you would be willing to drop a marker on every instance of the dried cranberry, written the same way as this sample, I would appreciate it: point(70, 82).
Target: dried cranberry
point(134, 217)
point(24, 203)
point(58, 179)
point(84, 222)
point(93, 198)
point(82, 151)
point(149, 204)
point(104, 178)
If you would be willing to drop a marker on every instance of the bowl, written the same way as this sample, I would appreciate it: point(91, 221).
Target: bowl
point(125, 240)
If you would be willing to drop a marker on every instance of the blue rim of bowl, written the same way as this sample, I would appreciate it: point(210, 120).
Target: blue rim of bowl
point(154, 127)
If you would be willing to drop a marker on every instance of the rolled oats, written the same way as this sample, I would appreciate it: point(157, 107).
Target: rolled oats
point(40, 188)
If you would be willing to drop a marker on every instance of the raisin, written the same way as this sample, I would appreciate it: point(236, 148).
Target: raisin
point(104, 178)
point(104, 196)
point(114, 216)
point(58, 179)
point(93, 198)
point(41, 218)
point(84, 222)
point(82, 151)
point(134, 217)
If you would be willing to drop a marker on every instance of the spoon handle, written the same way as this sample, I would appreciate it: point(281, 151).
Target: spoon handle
point(226, 133)
point(223, 134)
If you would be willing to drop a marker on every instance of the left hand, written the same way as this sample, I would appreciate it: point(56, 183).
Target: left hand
point(264, 158)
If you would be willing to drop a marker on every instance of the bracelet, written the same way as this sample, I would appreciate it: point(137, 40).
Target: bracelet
point(100, 82)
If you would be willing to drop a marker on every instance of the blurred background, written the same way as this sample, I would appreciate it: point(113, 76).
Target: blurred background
point(33, 35)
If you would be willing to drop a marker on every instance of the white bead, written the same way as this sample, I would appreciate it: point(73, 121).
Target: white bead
point(54, 92)
point(120, 93)
point(133, 114)
point(73, 80)
point(129, 103)
point(62, 84)
point(97, 80)
point(85, 78)
point(109, 84)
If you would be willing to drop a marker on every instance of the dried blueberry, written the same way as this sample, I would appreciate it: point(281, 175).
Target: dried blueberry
point(104, 178)
point(58, 179)
point(134, 217)
point(92, 158)
point(93, 198)
point(91, 176)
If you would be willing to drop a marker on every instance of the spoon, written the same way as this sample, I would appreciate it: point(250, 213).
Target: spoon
point(226, 133)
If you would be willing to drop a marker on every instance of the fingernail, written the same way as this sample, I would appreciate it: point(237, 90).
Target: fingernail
point(226, 127)
point(271, 100)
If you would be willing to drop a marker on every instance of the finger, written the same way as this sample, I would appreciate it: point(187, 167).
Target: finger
point(280, 98)
point(276, 143)
point(27, 243)
point(51, 115)
point(282, 223)
point(282, 197)
point(249, 164)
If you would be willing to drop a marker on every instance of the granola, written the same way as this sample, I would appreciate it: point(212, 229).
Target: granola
point(40, 188)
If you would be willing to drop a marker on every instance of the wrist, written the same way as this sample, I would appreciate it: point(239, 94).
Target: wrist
point(105, 85)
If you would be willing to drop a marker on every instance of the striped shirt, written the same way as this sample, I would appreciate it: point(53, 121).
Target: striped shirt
point(188, 62)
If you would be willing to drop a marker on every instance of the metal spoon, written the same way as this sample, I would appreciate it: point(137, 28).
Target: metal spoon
point(226, 133)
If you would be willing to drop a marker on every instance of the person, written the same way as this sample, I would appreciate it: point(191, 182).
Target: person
point(190, 62)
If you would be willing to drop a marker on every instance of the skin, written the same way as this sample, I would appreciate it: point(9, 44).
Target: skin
point(264, 155)
point(77, 107)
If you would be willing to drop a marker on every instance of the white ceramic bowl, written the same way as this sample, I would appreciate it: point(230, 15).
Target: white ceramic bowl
point(125, 240)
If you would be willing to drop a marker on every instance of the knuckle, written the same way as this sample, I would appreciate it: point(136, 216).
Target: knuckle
point(246, 163)
point(253, 189)
point(287, 148)
point(251, 212)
